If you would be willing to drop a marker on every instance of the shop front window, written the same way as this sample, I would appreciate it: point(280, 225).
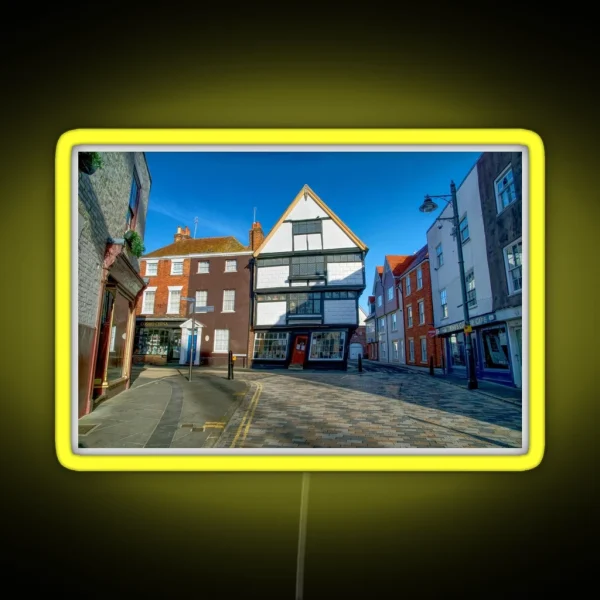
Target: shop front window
point(328, 345)
point(457, 349)
point(495, 348)
point(152, 341)
point(118, 341)
point(271, 346)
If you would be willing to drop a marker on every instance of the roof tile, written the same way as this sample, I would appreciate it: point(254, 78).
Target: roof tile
point(212, 245)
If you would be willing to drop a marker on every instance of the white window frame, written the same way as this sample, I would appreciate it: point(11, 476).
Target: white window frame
point(464, 220)
point(257, 338)
point(154, 263)
point(444, 316)
point(202, 302)
point(381, 323)
point(228, 262)
point(394, 322)
point(419, 278)
point(228, 310)
point(203, 262)
point(499, 205)
point(391, 293)
point(144, 309)
point(379, 300)
point(409, 315)
point(344, 342)
point(471, 304)
point(174, 288)
point(421, 310)
point(509, 280)
point(395, 349)
point(177, 261)
point(411, 350)
point(407, 285)
point(439, 255)
point(423, 358)
point(215, 351)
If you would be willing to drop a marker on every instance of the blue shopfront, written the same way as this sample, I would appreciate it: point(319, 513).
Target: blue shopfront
point(490, 342)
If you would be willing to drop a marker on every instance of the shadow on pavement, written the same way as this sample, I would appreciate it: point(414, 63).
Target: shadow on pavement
point(415, 388)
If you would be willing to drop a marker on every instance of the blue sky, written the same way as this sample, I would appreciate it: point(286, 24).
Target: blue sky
point(377, 194)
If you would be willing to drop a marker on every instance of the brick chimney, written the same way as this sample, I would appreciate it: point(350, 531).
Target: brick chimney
point(183, 233)
point(256, 236)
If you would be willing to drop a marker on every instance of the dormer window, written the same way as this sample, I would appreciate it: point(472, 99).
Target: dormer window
point(307, 227)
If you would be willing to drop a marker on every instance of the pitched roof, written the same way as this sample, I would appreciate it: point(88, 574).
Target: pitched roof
point(379, 270)
point(418, 257)
point(334, 217)
point(398, 262)
point(199, 246)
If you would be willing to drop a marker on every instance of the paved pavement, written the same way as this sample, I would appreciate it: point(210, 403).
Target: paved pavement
point(503, 392)
point(367, 410)
point(164, 410)
point(379, 408)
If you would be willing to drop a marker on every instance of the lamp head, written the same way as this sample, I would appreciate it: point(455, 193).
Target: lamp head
point(428, 205)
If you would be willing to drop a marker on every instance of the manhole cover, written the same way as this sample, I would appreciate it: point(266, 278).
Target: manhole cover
point(85, 429)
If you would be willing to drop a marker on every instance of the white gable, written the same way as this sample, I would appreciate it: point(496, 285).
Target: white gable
point(334, 236)
point(306, 209)
point(281, 241)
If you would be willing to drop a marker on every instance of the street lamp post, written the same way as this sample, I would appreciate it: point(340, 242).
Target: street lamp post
point(191, 349)
point(429, 206)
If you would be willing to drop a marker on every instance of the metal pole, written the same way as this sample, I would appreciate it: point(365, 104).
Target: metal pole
point(472, 382)
point(192, 342)
point(302, 537)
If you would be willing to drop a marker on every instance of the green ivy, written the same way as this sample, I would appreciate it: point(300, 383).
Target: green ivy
point(135, 243)
point(96, 160)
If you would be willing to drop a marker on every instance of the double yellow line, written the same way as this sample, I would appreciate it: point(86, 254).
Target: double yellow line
point(248, 416)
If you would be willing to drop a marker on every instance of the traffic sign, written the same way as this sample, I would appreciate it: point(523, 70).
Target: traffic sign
point(189, 299)
point(468, 329)
point(205, 309)
point(431, 332)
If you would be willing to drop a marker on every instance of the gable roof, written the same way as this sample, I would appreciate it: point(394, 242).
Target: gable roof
point(379, 270)
point(211, 245)
point(398, 262)
point(306, 189)
point(418, 257)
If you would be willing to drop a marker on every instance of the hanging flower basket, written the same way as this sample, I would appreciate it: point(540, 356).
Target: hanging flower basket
point(90, 162)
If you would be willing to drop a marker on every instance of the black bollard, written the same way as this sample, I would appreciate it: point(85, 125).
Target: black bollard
point(360, 363)
point(431, 365)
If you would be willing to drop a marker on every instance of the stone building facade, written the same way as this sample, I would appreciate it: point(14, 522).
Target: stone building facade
point(111, 201)
point(500, 188)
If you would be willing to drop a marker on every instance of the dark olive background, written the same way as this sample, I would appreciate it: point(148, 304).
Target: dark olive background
point(121, 534)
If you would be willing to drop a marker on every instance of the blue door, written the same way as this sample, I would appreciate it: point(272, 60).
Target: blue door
point(191, 347)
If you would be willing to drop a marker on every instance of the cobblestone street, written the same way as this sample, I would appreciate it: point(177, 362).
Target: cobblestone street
point(368, 410)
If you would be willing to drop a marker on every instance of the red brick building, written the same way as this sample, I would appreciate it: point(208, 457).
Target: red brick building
point(214, 271)
point(418, 313)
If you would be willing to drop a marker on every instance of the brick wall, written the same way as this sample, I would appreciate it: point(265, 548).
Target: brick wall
point(162, 281)
point(500, 229)
point(360, 337)
point(434, 345)
point(103, 198)
point(102, 206)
